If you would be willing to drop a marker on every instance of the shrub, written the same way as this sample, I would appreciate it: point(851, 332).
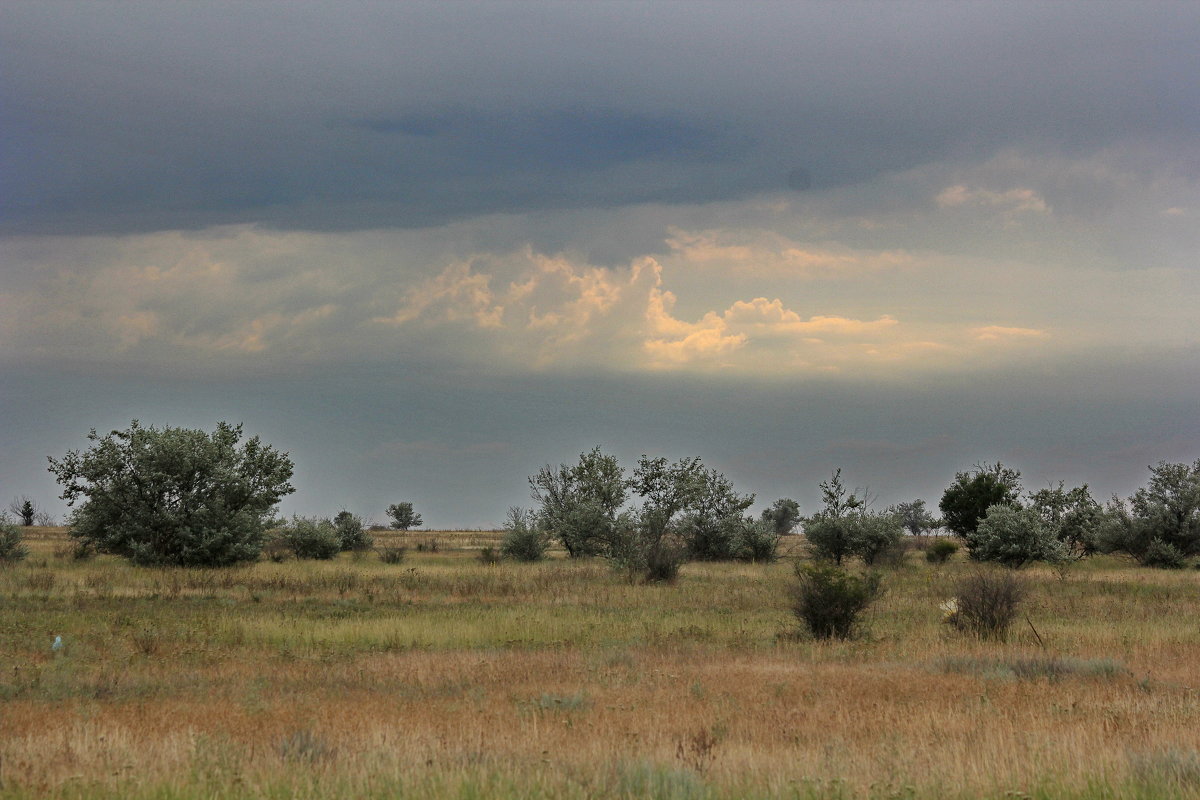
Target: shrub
point(986, 603)
point(1166, 511)
point(12, 548)
point(1014, 537)
point(489, 556)
point(311, 538)
point(647, 548)
point(351, 533)
point(392, 554)
point(873, 535)
point(523, 540)
point(1162, 555)
point(758, 541)
point(829, 600)
point(174, 497)
point(940, 551)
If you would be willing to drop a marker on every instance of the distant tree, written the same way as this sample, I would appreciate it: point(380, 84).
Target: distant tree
point(1073, 515)
point(403, 517)
point(174, 496)
point(783, 515)
point(966, 501)
point(830, 532)
point(24, 509)
point(915, 518)
point(1160, 523)
point(580, 504)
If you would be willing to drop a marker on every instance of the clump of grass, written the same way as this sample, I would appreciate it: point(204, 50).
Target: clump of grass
point(305, 747)
point(985, 604)
point(429, 545)
point(577, 701)
point(829, 600)
point(1034, 667)
point(1173, 767)
point(392, 554)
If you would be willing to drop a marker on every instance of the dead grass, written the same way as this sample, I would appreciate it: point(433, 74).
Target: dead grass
point(442, 676)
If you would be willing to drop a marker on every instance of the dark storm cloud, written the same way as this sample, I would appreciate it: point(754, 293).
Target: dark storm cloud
point(139, 116)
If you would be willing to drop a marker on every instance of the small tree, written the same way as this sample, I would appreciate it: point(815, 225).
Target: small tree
point(174, 496)
point(11, 547)
point(579, 504)
point(873, 535)
point(1160, 524)
point(351, 532)
point(403, 517)
point(1014, 537)
point(966, 501)
point(25, 510)
point(1073, 515)
point(523, 541)
point(783, 515)
point(830, 532)
point(915, 518)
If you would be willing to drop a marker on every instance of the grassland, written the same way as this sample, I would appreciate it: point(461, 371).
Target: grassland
point(445, 677)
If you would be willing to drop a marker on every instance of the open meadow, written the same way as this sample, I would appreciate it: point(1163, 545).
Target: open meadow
point(443, 676)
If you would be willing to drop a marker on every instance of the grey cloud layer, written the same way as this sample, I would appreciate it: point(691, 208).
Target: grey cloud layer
point(140, 116)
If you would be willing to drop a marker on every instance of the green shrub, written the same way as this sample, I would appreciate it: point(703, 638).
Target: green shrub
point(941, 551)
point(875, 536)
point(986, 604)
point(489, 556)
point(174, 497)
point(12, 548)
point(351, 533)
point(523, 538)
point(759, 541)
point(1014, 537)
point(1163, 555)
point(311, 538)
point(829, 600)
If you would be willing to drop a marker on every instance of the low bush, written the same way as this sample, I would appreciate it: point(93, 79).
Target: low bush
point(489, 556)
point(311, 538)
point(392, 554)
point(351, 533)
point(1163, 555)
point(986, 604)
point(759, 542)
point(829, 600)
point(523, 538)
point(12, 548)
point(941, 551)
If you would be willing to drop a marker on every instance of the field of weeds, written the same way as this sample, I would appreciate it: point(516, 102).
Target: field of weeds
point(443, 676)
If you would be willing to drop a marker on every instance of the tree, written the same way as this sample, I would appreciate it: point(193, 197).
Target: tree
point(579, 504)
point(783, 515)
point(1014, 537)
point(403, 516)
point(174, 496)
point(1073, 515)
point(830, 531)
point(25, 510)
point(1160, 524)
point(350, 531)
point(967, 500)
point(915, 518)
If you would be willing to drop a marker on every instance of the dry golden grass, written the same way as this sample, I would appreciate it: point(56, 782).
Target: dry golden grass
point(442, 676)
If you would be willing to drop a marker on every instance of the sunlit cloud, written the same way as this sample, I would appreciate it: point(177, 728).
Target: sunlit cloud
point(1015, 201)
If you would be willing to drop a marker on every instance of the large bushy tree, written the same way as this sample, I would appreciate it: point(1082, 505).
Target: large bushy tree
point(966, 501)
point(1160, 524)
point(174, 496)
point(579, 504)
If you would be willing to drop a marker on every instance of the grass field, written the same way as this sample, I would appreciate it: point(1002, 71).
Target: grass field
point(445, 677)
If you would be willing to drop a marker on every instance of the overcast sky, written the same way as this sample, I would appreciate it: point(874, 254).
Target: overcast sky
point(427, 248)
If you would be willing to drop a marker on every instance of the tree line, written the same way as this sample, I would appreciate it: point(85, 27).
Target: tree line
point(183, 497)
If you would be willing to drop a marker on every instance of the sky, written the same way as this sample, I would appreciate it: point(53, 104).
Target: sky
point(426, 248)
